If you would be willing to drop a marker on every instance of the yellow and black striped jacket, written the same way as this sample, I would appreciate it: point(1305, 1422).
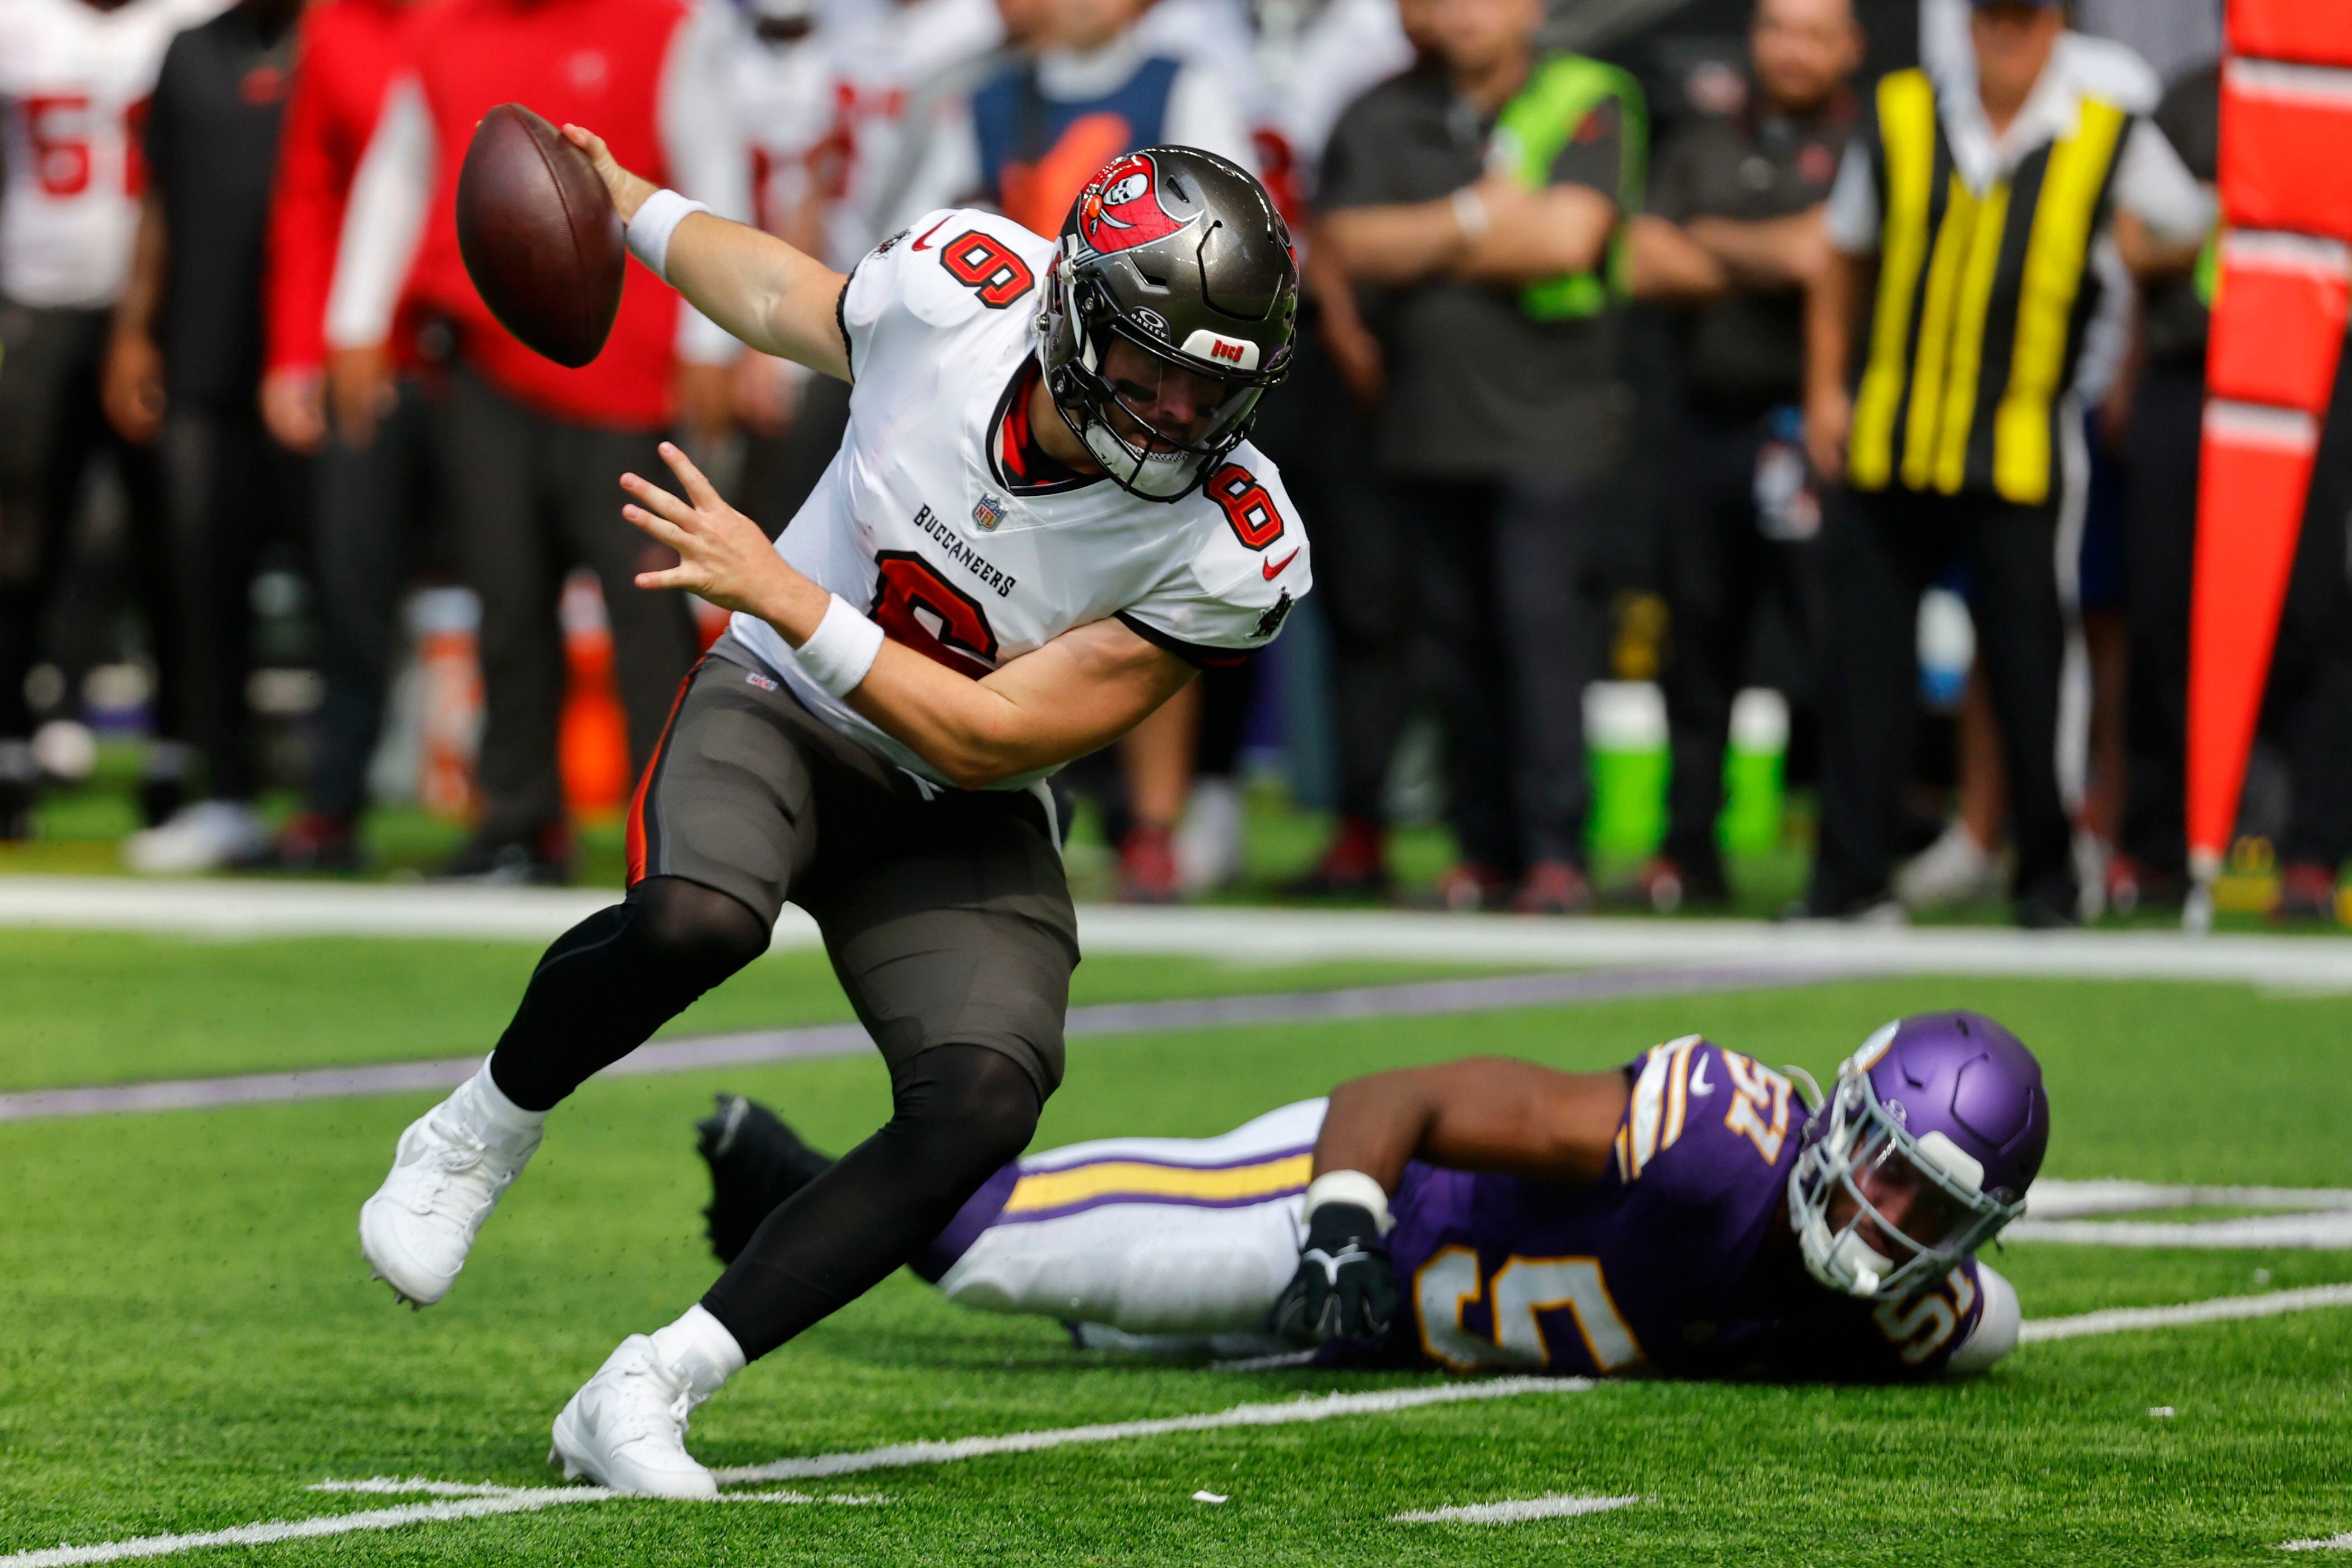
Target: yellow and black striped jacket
point(1982, 303)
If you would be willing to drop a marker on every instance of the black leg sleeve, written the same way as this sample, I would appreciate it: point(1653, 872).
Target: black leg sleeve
point(613, 980)
point(961, 1112)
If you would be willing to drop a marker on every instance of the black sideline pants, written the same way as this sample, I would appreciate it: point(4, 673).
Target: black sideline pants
point(374, 504)
point(1506, 604)
point(230, 491)
point(1880, 552)
point(1721, 574)
point(52, 427)
point(532, 495)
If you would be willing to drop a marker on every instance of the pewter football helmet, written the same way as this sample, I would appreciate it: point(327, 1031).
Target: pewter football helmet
point(1182, 254)
point(1931, 1135)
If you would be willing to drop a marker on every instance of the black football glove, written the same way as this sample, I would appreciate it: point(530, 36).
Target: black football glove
point(1343, 1290)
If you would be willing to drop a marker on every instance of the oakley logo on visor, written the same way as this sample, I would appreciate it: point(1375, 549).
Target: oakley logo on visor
point(1205, 344)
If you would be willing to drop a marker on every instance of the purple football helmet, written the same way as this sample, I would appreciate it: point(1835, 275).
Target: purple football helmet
point(1931, 1135)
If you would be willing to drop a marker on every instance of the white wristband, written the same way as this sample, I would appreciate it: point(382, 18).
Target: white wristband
point(1350, 1186)
point(1470, 214)
point(657, 220)
point(841, 650)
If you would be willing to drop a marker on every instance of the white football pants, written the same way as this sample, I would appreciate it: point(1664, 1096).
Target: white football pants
point(1150, 1236)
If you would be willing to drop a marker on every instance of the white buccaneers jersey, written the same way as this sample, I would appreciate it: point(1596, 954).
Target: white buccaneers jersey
point(924, 520)
point(74, 85)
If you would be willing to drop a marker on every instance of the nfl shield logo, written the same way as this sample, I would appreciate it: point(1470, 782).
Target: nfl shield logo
point(988, 511)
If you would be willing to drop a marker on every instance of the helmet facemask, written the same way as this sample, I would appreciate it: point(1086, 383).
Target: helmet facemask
point(1865, 1188)
point(1115, 387)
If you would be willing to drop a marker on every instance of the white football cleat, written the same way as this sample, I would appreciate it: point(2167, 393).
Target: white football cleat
point(448, 1171)
point(626, 1428)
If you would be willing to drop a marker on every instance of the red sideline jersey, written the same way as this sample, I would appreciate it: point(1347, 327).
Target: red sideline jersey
point(349, 50)
point(640, 74)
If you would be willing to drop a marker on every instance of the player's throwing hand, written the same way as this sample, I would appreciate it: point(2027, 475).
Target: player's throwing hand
point(628, 191)
point(1344, 1289)
point(722, 554)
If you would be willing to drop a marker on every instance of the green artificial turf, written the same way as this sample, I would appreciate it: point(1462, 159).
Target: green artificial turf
point(187, 1338)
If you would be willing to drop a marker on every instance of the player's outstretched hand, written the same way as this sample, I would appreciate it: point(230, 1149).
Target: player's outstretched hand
point(721, 554)
point(628, 191)
point(1344, 1289)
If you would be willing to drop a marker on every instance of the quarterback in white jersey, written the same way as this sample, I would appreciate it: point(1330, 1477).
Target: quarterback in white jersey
point(1044, 516)
point(924, 521)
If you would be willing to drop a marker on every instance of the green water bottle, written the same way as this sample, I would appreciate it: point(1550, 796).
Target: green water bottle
point(1625, 750)
point(1755, 773)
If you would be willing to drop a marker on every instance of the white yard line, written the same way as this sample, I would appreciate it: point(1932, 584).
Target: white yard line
point(1552, 1505)
point(233, 908)
point(2053, 1199)
point(2224, 1309)
point(467, 1499)
point(1284, 1413)
point(474, 1500)
point(271, 1532)
point(2307, 1232)
point(2331, 1543)
point(2064, 1211)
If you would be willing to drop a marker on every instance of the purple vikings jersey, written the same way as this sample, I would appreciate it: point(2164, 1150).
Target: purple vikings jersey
point(1669, 1262)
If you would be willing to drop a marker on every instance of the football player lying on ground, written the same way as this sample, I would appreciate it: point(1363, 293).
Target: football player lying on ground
point(1044, 517)
point(1681, 1216)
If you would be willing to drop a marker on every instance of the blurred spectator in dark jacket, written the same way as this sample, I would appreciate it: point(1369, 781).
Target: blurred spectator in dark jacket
point(183, 371)
point(75, 80)
point(375, 464)
point(1477, 199)
point(1734, 234)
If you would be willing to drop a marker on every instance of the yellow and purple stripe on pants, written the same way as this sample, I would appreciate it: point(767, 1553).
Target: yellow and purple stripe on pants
point(1018, 1194)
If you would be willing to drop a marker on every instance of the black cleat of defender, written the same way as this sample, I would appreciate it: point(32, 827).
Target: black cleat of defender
point(756, 1163)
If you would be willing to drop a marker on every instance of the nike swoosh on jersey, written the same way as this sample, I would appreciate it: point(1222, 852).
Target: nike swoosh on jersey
point(1274, 569)
point(928, 233)
point(1699, 1086)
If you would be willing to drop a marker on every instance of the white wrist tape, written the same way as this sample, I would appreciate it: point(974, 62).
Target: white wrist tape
point(657, 220)
point(1350, 1186)
point(841, 650)
point(1470, 214)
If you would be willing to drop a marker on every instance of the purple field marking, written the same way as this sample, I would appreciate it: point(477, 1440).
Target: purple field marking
point(1422, 999)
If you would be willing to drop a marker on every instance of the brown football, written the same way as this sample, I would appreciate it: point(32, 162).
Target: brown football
point(540, 236)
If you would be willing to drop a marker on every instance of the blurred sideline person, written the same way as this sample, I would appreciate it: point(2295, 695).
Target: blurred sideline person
point(75, 80)
point(1734, 235)
point(1311, 61)
point(183, 370)
point(1025, 143)
point(1961, 438)
point(1687, 1214)
point(532, 445)
point(880, 70)
point(1034, 133)
point(1963, 864)
point(1476, 201)
point(375, 465)
point(784, 98)
point(2309, 702)
point(1047, 497)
